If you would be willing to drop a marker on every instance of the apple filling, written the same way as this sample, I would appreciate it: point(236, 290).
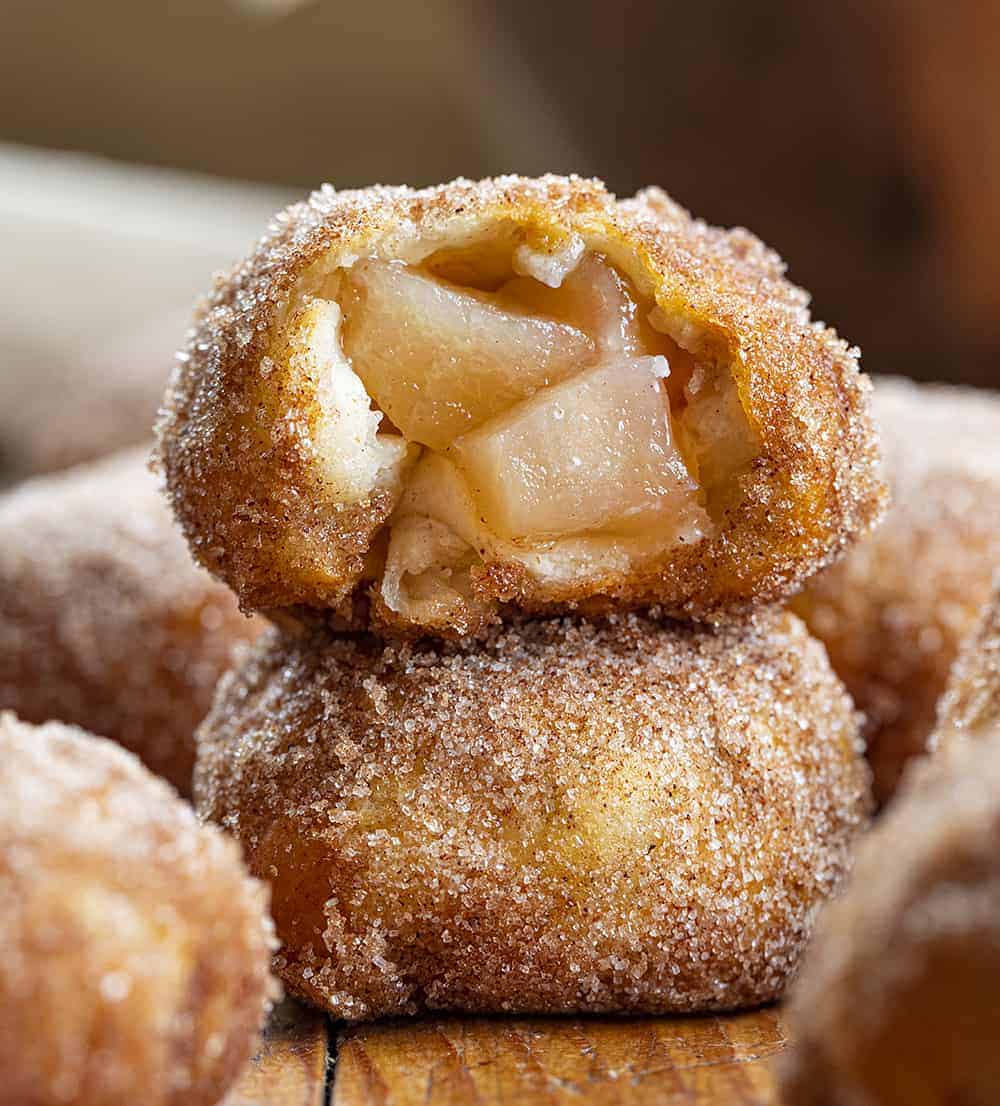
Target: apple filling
point(529, 411)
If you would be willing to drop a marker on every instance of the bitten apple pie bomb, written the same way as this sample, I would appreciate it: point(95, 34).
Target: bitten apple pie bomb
point(414, 409)
point(136, 948)
point(564, 816)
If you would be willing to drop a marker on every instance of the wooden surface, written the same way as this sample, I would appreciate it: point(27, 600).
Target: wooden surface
point(290, 1068)
point(517, 1062)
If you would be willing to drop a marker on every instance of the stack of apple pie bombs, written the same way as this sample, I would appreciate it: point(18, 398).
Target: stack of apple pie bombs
point(521, 472)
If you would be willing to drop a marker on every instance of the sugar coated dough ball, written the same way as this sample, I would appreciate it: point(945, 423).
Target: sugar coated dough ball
point(105, 621)
point(626, 816)
point(896, 1004)
point(893, 613)
point(135, 947)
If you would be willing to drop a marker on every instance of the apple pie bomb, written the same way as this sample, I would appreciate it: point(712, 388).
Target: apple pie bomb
point(895, 610)
point(630, 815)
point(897, 1001)
point(136, 949)
point(412, 409)
point(105, 622)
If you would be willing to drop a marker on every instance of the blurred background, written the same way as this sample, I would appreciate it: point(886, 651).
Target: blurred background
point(144, 145)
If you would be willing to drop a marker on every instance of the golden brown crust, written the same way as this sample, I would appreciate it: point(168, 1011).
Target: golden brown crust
point(135, 947)
point(893, 613)
point(630, 816)
point(896, 1003)
point(104, 620)
point(239, 449)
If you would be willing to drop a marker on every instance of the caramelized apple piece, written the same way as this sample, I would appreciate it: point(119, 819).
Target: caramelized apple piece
point(592, 297)
point(440, 360)
point(588, 454)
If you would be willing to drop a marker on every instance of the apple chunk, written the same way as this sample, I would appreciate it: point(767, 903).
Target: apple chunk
point(592, 453)
point(440, 360)
point(592, 296)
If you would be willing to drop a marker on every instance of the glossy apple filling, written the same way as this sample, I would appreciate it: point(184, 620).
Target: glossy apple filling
point(531, 412)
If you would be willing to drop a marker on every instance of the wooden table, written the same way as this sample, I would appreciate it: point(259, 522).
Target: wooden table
point(710, 1061)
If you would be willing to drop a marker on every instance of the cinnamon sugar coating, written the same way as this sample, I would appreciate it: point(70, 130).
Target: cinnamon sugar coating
point(135, 946)
point(971, 702)
point(105, 622)
point(241, 438)
point(629, 816)
point(893, 613)
point(896, 1004)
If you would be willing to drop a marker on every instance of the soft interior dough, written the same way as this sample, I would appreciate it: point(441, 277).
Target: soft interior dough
point(356, 457)
point(526, 407)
